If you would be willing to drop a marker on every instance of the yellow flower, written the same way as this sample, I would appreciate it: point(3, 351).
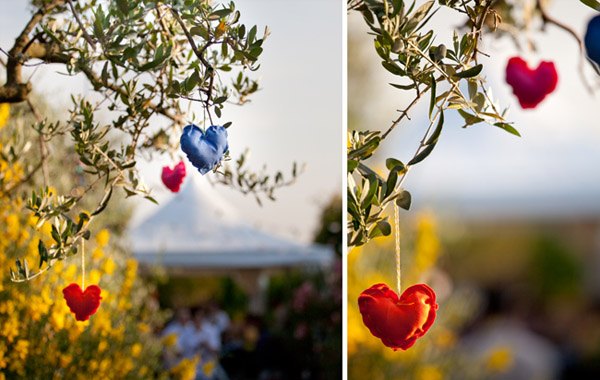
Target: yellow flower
point(57, 317)
point(102, 237)
point(500, 359)
point(7, 307)
point(2, 357)
point(65, 360)
point(102, 323)
point(136, 350)
point(97, 254)
point(102, 346)
point(38, 307)
point(208, 368)
point(109, 266)
point(445, 338)
point(94, 277)
point(427, 246)
point(10, 329)
point(4, 113)
point(186, 369)
point(170, 340)
point(429, 372)
point(144, 328)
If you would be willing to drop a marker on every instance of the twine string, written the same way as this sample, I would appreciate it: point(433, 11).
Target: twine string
point(82, 264)
point(397, 250)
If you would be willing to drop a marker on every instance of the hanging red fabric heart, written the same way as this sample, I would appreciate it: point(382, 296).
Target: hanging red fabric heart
point(531, 86)
point(398, 322)
point(173, 178)
point(82, 303)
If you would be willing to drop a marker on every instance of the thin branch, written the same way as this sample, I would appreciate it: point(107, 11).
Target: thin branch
point(42, 143)
point(197, 52)
point(200, 54)
point(86, 36)
point(404, 113)
point(547, 19)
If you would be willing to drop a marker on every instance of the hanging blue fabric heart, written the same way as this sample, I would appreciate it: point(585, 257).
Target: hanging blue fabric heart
point(592, 40)
point(204, 149)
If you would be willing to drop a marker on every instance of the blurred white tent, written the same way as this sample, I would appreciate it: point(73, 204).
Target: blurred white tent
point(197, 233)
point(198, 230)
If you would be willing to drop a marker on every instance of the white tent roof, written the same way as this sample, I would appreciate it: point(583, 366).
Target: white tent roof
point(198, 229)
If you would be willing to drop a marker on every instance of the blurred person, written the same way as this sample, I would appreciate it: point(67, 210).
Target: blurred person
point(218, 317)
point(205, 339)
point(182, 328)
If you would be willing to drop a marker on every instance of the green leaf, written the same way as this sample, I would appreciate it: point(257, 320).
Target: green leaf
point(382, 228)
point(594, 4)
point(199, 30)
point(397, 6)
point(391, 183)
point(251, 34)
point(26, 268)
point(432, 101)
point(220, 100)
point(103, 202)
point(42, 252)
point(508, 128)
point(352, 164)
point(219, 13)
point(469, 73)
point(418, 16)
point(366, 150)
point(191, 82)
point(433, 139)
point(404, 200)
point(393, 164)
point(151, 199)
point(373, 187)
point(469, 118)
point(393, 68)
point(422, 155)
point(123, 6)
point(403, 86)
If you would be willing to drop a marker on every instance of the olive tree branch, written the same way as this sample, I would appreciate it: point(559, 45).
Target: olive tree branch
point(547, 19)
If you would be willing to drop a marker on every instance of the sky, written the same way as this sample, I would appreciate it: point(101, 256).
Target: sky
point(551, 169)
point(296, 115)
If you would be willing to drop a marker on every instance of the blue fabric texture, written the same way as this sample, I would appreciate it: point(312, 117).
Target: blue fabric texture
point(204, 149)
point(592, 39)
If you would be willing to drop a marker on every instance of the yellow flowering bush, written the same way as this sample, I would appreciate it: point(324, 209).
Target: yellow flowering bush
point(39, 337)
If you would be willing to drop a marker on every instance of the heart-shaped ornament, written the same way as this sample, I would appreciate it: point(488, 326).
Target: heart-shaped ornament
point(173, 178)
point(398, 322)
point(82, 303)
point(592, 40)
point(204, 149)
point(531, 86)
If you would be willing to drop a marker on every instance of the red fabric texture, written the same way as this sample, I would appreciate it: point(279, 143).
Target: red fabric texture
point(531, 86)
point(173, 178)
point(398, 322)
point(82, 303)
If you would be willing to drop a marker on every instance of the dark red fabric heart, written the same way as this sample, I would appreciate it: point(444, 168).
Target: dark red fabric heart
point(398, 322)
point(173, 178)
point(531, 86)
point(82, 304)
